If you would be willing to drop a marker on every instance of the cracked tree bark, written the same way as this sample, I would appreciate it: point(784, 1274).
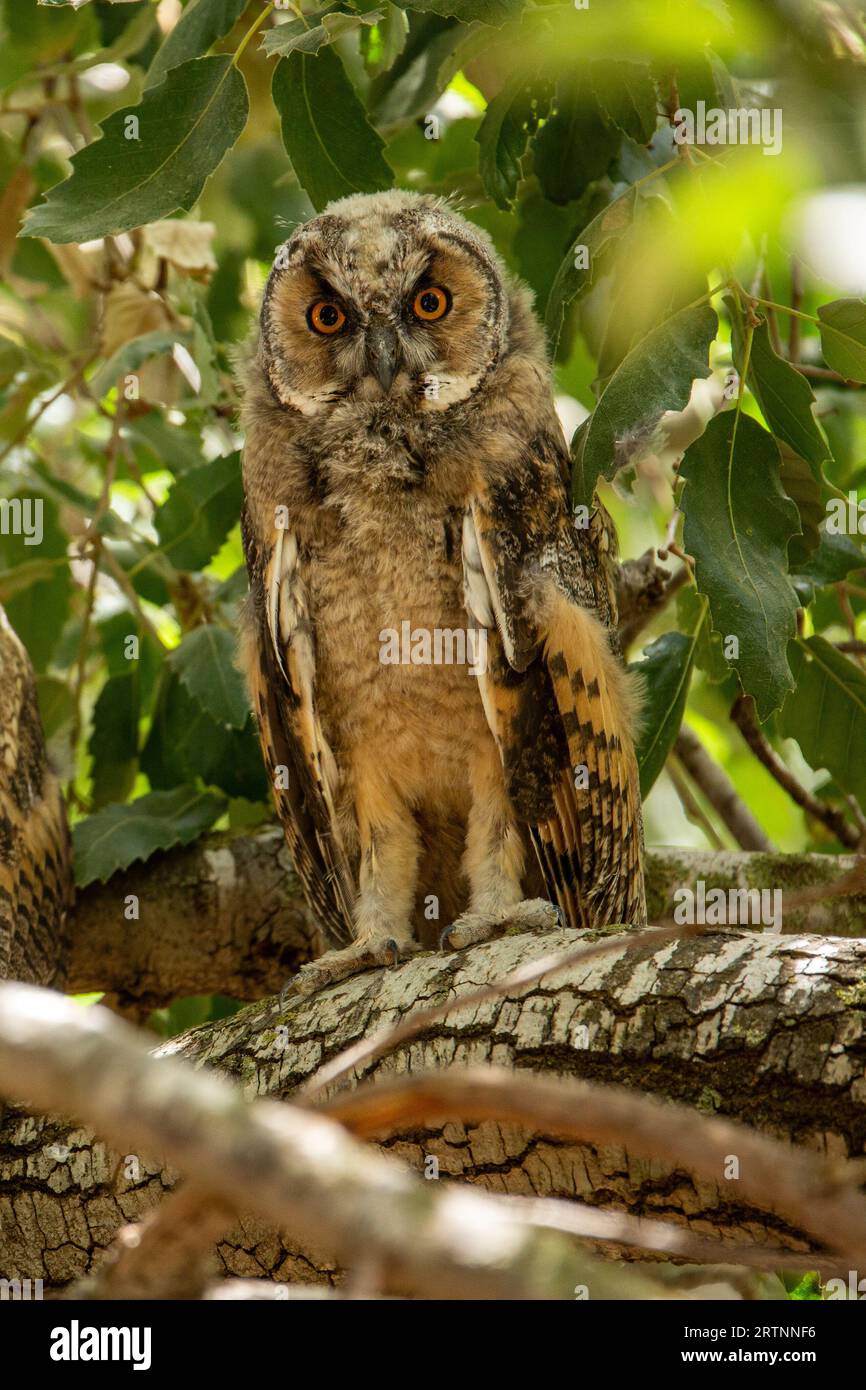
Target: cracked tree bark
point(764, 1028)
point(226, 916)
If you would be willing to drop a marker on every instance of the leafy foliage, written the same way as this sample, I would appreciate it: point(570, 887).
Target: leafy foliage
point(156, 157)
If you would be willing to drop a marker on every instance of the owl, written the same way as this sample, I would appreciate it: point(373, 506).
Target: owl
point(429, 636)
point(36, 891)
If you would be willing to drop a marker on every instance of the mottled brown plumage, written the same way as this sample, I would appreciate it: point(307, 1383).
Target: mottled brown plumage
point(35, 855)
point(404, 464)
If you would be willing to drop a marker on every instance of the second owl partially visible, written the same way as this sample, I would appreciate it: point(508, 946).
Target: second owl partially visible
point(428, 638)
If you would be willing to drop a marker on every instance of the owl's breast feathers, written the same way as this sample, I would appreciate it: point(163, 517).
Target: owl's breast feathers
point(557, 699)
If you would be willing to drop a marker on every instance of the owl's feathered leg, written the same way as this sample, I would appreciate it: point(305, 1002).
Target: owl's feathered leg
point(494, 864)
point(390, 848)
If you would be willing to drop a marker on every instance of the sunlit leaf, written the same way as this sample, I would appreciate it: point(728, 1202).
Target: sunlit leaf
point(152, 159)
point(843, 337)
point(738, 523)
point(656, 376)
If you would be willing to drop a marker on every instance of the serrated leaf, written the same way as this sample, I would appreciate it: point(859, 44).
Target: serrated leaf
point(502, 138)
point(738, 523)
point(113, 743)
point(199, 26)
point(573, 276)
point(205, 663)
point(783, 393)
point(826, 712)
point(200, 510)
point(626, 92)
point(116, 836)
point(665, 672)
point(185, 743)
point(843, 337)
point(186, 125)
point(655, 376)
point(316, 30)
point(333, 147)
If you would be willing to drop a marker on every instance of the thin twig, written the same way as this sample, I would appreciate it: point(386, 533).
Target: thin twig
point(720, 792)
point(743, 715)
point(690, 803)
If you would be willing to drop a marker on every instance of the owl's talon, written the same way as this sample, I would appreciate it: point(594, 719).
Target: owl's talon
point(531, 915)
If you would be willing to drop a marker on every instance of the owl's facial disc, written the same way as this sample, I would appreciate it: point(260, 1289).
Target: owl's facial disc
point(405, 305)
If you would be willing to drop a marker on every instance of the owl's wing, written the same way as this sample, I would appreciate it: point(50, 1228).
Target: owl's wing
point(36, 889)
point(557, 698)
point(279, 660)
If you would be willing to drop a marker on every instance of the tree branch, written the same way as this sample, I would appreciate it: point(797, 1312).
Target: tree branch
point(743, 715)
point(720, 791)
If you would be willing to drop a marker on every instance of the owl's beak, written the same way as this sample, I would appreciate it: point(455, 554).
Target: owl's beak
point(383, 352)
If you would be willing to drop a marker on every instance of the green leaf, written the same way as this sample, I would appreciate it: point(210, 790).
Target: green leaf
point(200, 25)
point(113, 744)
point(843, 337)
point(495, 12)
point(784, 395)
point(836, 556)
point(738, 523)
point(656, 376)
point(56, 706)
point(692, 618)
point(799, 482)
point(665, 672)
point(116, 836)
point(185, 743)
point(826, 712)
point(184, 127)
point(574, 146)
point(575, 274)
point(205, 663)
point(333, 148)
point(129, 358)
point(316, 30)
point(412, 84)
point(503, 137)
point(38, 609)
point(626, 92)
point(200, 510)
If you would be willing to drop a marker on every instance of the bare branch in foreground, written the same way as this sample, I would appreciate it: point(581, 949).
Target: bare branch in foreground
point(811, 1193)
point(296, 1168)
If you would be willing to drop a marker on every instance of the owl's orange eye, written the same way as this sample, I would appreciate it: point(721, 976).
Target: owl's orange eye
point(325, 317)
point(431, 303)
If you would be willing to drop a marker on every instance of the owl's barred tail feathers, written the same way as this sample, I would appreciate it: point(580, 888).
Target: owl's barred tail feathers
point(599, 800)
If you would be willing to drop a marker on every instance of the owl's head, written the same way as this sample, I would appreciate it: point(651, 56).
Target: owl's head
point(383, 296)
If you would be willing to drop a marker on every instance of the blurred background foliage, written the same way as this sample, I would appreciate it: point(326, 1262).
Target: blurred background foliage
point(165, 150)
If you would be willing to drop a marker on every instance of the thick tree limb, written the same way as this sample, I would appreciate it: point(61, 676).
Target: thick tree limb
point(758, 1027)
point(226, 916)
